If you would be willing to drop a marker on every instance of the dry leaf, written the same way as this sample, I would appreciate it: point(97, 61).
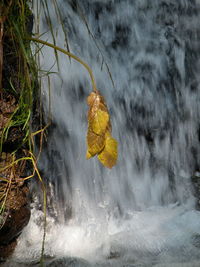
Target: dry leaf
point(100, 121)
point(88, 155)
point(108, 156)
point(95, 143)
point(99, 139)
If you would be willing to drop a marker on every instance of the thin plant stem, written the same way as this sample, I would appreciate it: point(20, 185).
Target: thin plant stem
point(70, 55)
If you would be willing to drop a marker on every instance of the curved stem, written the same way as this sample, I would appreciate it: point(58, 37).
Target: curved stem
point(70, 55)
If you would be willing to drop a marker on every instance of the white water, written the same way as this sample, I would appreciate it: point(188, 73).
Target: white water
point(142, 212)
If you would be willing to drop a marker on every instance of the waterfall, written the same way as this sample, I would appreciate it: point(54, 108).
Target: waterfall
point(141, 212)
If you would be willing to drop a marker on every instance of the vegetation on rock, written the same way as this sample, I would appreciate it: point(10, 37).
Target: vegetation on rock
point(18, 83)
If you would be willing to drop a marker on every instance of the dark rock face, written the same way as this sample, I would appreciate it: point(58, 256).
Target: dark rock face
point(14, 210)
point(6, 250)
point(16, 220)
point(13, 221)
point(196, 188)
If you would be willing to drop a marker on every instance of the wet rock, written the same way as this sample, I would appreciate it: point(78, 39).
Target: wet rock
point(114, 255)
point(69, 262)
point(11, 225)
point(196, 188)
point(15, 221)
point(196, 240)
point(14, 210)
point(6, 250)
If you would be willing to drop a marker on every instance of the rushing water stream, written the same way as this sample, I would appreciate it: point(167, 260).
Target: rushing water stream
point(142, 212)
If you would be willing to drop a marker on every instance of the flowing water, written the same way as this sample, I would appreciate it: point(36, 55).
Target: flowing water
point(141, 212)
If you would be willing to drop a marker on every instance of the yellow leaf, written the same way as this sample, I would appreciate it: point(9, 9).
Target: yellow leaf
point(100, 122)
point(95, 102)
point(95, 143)
point(88, 155)
point(108, 156)
point(91, 98)
point(99, 139)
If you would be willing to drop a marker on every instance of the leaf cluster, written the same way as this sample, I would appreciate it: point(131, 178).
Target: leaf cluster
point(99, 139)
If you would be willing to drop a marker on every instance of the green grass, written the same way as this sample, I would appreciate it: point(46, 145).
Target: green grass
point(24, 89)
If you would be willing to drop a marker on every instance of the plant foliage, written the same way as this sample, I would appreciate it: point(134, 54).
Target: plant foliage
point(99, 139)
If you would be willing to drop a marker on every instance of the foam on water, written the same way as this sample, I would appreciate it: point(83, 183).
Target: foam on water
point(144, 237)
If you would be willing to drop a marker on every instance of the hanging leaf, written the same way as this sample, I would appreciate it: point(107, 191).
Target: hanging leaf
point(95, 143)
point(99, 139)
point(100, 121)
point(108, 156)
